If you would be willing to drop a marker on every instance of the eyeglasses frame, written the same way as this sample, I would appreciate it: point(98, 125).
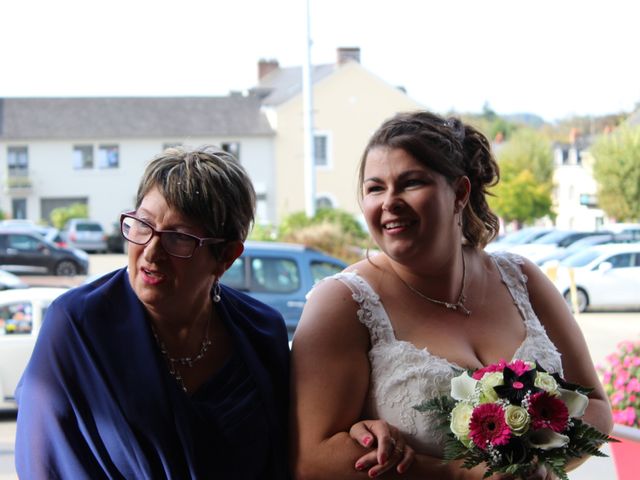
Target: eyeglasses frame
point(201, 241)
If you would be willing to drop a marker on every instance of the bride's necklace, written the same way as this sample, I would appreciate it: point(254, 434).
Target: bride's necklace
point(451, 306)
point(174, 362)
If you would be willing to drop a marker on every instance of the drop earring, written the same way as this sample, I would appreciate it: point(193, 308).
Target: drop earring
point(216, 291)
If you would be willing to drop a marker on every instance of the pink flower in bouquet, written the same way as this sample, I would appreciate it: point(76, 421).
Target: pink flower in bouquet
point(548, 411)
point(488, 426)
point(494, 367)
point(519, 367)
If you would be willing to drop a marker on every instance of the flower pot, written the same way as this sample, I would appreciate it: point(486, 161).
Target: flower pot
point(626, 454)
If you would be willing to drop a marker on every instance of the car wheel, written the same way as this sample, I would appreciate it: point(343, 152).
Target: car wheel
point(582, 299)
point(66, 268)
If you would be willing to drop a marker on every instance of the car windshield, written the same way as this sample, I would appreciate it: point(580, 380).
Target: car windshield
point(580, 259)
point(553, 237)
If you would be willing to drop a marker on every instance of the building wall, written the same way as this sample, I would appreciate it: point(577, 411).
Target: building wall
point(111, 191)
point(574, 182)
point(349, 106)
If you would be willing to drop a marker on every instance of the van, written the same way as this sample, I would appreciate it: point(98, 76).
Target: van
point(280, 275)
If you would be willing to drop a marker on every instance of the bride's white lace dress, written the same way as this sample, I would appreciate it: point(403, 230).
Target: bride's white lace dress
point(403, 376)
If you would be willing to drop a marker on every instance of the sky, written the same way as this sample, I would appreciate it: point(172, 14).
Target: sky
point(553, 58)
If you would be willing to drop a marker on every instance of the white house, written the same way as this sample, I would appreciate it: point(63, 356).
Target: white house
point(59, 151)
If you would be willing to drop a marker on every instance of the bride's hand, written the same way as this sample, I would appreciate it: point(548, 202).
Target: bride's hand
point(387, 444)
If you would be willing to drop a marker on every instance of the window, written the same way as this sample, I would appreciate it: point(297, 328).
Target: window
point(233, 148)
point(16, 318)
point(620, 261)
point(324, 202)
point(279, 275)
point(18, 161)
point(23, 242)
point(82, 157)
point(234, 276)
point(320, 270)
point(108, 156)
point(171, 145)
point(320, 150)
point(19, 208)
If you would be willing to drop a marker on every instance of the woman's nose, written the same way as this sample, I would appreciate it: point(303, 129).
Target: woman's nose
point(391, 202)
point(154, 250)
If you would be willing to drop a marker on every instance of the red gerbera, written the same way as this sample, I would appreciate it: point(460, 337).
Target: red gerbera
point(494, 367)
point(548, 411)
point(488, 426)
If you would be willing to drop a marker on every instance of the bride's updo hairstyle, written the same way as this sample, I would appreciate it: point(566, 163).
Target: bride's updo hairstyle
point(452, 149)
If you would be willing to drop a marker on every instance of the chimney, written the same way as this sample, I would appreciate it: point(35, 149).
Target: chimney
point(348, 54)
point(265, 67)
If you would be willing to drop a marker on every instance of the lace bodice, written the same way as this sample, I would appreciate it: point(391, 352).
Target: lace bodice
point(403, 376)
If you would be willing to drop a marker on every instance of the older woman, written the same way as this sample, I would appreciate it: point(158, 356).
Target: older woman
point(157, 370)
point(391, 331)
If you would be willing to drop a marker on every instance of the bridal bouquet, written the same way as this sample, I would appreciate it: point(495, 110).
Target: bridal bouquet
point(512, 416)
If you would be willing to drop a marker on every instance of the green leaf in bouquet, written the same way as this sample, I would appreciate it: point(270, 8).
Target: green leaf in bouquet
point(454, 449)
point(441, 405)
point(558, 466)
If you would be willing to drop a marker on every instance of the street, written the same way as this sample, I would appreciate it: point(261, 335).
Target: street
point(602, 331)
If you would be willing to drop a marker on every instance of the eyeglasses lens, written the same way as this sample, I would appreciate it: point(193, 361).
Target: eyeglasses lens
point(175, 243)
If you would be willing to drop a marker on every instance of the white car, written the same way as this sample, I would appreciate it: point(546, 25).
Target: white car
point(605, 277)
point(21, 314)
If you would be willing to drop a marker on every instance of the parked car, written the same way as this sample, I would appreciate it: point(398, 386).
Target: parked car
point(606, 277)
point(9, 280)
point(28, 252)
point(549, 243)
point(280, 275)
point(21, 314)
point(519, 237)
point(87, 235)
point(561, 253)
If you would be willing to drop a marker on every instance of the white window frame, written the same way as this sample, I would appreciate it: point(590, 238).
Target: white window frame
point(328, 165)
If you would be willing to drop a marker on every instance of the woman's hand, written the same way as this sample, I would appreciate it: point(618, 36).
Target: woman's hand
point(387, 444)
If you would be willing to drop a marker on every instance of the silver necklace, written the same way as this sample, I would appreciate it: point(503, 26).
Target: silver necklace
point(174, 362)
point(451, 306)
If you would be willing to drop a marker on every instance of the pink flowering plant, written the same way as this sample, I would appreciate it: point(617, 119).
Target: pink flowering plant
point(621, 380)
point(514, 416)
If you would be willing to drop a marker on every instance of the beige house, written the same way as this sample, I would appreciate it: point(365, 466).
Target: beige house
point(349, 103)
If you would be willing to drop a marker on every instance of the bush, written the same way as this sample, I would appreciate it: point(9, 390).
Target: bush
point(330, 238)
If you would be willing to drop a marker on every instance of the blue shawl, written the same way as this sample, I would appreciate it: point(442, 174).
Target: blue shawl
point(97, 401)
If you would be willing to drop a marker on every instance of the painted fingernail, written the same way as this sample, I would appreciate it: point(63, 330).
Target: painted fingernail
point(373, 473)
point(367, 441)
point(359, 466)
point(400, 469)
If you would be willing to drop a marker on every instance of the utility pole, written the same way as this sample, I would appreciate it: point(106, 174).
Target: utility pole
point(307, 109)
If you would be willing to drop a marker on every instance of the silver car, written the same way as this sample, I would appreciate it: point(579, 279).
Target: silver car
point(87, 235)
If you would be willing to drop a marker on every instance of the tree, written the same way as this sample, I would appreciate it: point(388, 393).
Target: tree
point(617, 171)
point(526, 171)
point(59, 216)
point(521, 198)
point(527, 150)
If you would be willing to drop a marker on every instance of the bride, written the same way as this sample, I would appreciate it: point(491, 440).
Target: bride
point(392, 330)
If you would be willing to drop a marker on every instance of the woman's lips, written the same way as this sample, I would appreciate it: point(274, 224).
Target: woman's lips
point(151, 277)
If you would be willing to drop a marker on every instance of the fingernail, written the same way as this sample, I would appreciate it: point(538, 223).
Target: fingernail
point(359, 466)
point(373, 473)
point(400, 469)
point(367, 440)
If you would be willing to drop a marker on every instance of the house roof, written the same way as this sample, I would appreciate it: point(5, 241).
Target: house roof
point(128, 117)
point(285, 83)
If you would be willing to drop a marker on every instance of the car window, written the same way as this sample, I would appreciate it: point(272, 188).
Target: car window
point(622, 260)
point(234, 277)
point(23, 242)
point(320, 270)
point(580, 259)
point(16, 318)
point(279, 275)
point(88, 227)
